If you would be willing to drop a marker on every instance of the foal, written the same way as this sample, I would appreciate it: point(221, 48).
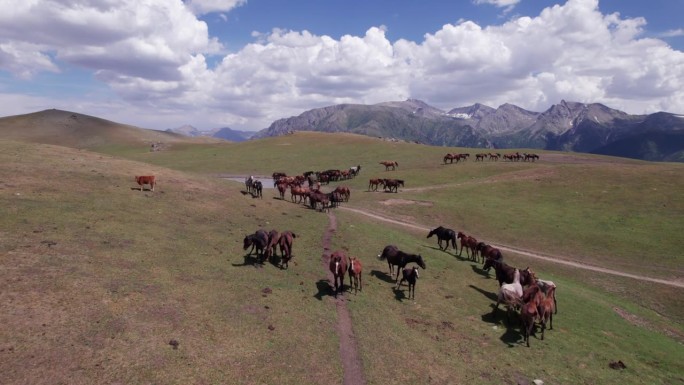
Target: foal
point(410, 275)
point(355, 270)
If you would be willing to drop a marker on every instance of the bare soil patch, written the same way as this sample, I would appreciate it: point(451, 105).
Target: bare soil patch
point(392, 202)
point(352, 366)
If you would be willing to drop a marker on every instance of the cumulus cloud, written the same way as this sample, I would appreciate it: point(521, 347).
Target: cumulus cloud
point(154, 56)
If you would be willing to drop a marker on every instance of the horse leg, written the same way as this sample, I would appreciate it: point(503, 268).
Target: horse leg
point(360, 282)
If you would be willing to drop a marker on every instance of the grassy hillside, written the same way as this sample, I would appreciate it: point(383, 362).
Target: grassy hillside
point(76, 130)
point(100, 276)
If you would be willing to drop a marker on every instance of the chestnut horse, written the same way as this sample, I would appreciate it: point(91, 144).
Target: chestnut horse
point(444, 234)
point(343, 191)
point(273, 238)
point(389, 163)
point(396, 257)
point(374, 183)
point(146, 179)
point(338, 267)
point(285, 243)
point(355, 271)
point(469, 244)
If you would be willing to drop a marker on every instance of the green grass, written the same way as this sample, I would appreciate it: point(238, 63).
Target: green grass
point(98, 277)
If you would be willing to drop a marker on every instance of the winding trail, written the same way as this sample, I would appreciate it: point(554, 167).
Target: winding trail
point(554, 259)
point(352, 366)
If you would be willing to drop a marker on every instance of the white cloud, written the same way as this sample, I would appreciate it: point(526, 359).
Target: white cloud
point(498, 3)
point(673, 33)
point(153, 55)
point(201, 7)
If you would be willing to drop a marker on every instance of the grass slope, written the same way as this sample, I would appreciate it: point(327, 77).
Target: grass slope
point(100, 277)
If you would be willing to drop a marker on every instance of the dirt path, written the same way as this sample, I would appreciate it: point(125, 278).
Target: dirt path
point(349, 352)
point(550, 258)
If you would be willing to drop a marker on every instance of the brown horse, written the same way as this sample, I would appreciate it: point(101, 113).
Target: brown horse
point(282, 188)
point(297, 194)
point(285, 243)
point(374, 183)
point(343, 191)
point(146, 180)
point(396, 257)
point(469, 244)
point(355, 271)
point(273, 238)
point(389, 163)
point(338, 267)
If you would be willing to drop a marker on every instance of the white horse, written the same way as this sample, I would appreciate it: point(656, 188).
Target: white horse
point(546, 286)
point(510, 294)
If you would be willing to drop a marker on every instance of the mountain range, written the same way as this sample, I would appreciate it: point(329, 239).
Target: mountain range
point(225, 133)
point(566, 126)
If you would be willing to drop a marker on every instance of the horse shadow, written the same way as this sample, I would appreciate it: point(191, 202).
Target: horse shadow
point(512, 337)
point(478, 270)
point(383, 276)
point(325, 289)
point(492, 296)
point(249, 260)
point(399, 294)
point(512, 334)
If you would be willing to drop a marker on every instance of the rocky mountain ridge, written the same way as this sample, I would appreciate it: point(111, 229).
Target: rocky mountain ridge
point(566, 126)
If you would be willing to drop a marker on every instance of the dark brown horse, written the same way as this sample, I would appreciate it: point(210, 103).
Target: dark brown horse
point(285, 243)
point(505, 273)
point(444, 234)
point(258, 241)
point(410, 275)
point(338, 267)
point(489, 251)
point(393, 184)
point(389, 164)
point(396, 257)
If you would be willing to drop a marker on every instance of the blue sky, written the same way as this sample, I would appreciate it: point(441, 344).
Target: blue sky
point(245, 63)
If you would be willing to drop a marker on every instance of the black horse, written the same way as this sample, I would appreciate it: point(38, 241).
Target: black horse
point(444, 234)
point(257, 188)
point(258, 241)
point(396, 257)
point(505, 273)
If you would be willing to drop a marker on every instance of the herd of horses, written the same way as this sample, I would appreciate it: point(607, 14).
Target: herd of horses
point(265, 245)
point(389, 185)
point(519, 289)
point(525, 157)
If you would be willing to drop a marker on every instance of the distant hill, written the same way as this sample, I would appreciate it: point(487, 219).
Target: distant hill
point(567, 126)
point(225, 133)
point(76, 130)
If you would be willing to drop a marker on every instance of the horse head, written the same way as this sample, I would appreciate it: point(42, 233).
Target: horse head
point(489, 263)
point(247, 242)
point(420, 261)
